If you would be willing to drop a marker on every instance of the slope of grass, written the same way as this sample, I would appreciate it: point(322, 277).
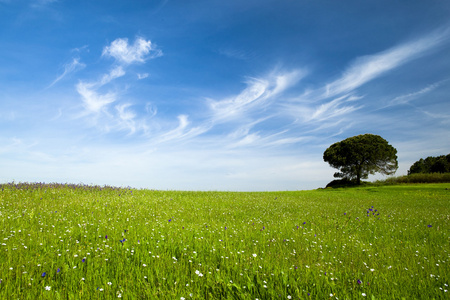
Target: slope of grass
point(82, 242)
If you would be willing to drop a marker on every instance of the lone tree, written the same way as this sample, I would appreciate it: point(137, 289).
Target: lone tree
point(357, 157)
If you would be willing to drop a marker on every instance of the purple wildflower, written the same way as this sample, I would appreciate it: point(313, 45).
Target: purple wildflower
point(43, 274)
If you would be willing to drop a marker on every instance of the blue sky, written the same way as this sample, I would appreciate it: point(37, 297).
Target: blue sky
point(216, 95)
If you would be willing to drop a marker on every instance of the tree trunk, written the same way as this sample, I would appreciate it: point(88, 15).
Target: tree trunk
point(358, 175)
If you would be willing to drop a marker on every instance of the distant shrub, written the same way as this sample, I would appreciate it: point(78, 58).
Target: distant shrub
point(417, 178)
point(340, 183)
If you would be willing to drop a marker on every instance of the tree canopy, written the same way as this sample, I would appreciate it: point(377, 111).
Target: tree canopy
point(431, 164)
point(357, 157)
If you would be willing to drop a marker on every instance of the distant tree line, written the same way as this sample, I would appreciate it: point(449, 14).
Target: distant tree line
point(431, 164)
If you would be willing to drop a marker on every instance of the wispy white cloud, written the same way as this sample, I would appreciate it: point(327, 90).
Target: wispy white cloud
point(150, 109)
point(325, 113)
point(443, 117)
point(263, 140)
point(183, 131)
point(246, 140)
point(98, 103)
point(255, 104)
point(235, 105)
point(245, 136)
point(284, 81)
point(367, 68)
point(113, 74)
point(256, 95)
point(333, 108)
point(287, 141)
point(127, 119)
point(234, 53)
point(337, 100)
point(403, 99)
point(243, 130)
point(142, 76)
point(93, 101)
point(72, 67)
point(127, 54)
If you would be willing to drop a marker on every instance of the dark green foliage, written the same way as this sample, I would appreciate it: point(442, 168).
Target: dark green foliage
point(417, 178)
point(357, 157)
point(438, 164)
point(341, 183)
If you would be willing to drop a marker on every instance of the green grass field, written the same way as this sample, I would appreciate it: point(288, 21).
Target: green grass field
point(82, 242)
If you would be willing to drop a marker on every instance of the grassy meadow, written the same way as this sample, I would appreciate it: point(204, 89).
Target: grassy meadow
point(87, 242)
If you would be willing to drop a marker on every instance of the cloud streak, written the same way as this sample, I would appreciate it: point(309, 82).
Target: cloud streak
point(404, 99)
point(72, 67)
point(182, 132)
point(257, 95)
point(367, 68)
point(333, 109)
point(93, 101)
